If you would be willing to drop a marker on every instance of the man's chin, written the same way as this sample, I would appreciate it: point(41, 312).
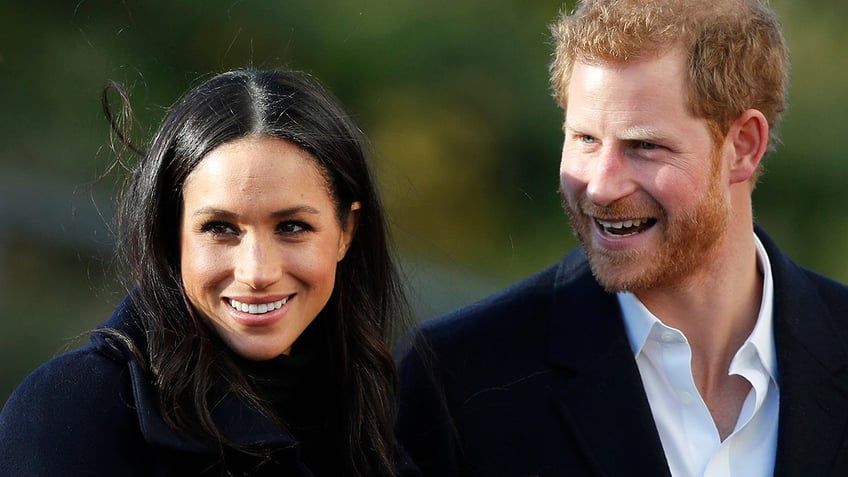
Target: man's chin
point(612, 283)
point(623, 273)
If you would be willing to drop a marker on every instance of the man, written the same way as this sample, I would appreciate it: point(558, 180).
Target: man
point(678, 340)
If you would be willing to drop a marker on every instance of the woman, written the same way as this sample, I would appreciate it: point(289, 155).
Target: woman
point(253, 340)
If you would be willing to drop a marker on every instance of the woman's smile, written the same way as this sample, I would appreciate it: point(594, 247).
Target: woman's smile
point(258, 308)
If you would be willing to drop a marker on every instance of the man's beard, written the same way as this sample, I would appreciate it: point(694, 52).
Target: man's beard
point(686, 247)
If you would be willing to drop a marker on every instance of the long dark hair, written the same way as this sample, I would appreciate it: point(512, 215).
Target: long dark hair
point(182, 354)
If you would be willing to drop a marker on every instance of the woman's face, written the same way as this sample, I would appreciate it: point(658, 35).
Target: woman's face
point(259, 243)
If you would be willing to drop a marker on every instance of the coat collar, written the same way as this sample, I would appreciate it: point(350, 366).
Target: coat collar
point(239, 422)
point(812, 367)
point(603, 400)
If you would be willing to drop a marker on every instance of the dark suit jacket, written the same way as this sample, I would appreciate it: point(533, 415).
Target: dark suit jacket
point(540, 380)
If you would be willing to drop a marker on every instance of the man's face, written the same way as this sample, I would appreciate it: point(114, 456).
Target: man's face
point(641, 180)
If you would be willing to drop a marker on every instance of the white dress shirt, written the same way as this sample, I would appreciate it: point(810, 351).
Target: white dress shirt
point(688, 433)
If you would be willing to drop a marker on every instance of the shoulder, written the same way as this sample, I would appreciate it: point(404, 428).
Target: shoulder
point(447, 363)
point(75, 413)
point(807, 305)
point(795, 281)
point(510, 328)
point(831, 291)
point(526, 303)
point(830, 295)
point(70, 378)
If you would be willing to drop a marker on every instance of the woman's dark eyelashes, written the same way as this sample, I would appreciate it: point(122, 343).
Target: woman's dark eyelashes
point(288, 227)
point(294, 227)
point(218, 227)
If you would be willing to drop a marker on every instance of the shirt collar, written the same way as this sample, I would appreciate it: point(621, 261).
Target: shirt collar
point(639, 321)
point(762, 337)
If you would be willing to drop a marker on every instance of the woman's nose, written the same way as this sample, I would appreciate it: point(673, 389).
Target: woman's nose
point(257, 265)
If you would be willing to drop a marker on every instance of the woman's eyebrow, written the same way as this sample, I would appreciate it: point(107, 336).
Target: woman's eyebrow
point(296, 210)
point(223, 213)
point(214, 211)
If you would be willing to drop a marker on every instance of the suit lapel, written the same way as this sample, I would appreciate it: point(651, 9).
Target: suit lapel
point(602, 400)
point(812, 375)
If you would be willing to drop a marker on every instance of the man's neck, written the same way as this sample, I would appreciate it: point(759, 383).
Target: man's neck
point(716, 309)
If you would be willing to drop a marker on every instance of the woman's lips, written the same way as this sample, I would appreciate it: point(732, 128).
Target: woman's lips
point(259, 313)
point(258, 308)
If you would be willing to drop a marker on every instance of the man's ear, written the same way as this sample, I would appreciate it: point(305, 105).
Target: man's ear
point(749, 136)
point(349, 229)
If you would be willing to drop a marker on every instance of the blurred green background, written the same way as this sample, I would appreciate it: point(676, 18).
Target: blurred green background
point(453, 95)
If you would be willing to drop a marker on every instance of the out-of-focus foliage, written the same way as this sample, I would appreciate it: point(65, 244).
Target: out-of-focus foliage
point(453, 95)
point(802, 196)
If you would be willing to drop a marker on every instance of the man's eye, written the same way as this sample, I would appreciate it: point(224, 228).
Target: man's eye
point(648, 146)
point(587, 139)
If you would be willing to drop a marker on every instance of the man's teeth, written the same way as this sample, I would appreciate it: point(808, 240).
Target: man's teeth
point(258, 308)
point(618, 228)
point(621, 225)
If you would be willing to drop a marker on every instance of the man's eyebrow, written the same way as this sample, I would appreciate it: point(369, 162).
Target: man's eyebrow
point(642, 133)
point(628, 134)
point(570, 127)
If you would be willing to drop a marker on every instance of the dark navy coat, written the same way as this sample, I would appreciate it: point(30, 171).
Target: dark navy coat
point(540, 380)
point(93, 412)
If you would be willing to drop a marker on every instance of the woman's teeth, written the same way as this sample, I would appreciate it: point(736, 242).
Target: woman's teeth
point(258, 308)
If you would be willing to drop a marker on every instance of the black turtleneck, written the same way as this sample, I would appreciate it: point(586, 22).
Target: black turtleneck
point(303, 392)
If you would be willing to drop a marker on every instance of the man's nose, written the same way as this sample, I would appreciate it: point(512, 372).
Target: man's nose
point(610, 177)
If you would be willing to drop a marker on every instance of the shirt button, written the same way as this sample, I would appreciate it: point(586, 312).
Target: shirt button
point(667, 336)
point(687, 398)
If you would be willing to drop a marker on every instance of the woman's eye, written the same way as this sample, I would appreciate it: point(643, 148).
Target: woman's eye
point(219, 228)
point(293, 227)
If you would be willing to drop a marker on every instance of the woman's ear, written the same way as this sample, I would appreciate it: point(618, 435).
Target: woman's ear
point(349, 229)
point(749, 136)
